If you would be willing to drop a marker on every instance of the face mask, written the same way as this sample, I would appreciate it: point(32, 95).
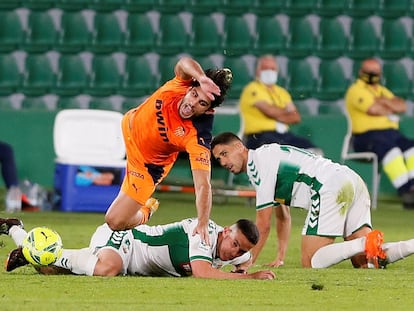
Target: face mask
point(268, 77)
point(370, 77)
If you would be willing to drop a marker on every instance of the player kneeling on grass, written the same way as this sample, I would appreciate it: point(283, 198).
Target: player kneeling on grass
point(336, 198)
point(162, 250)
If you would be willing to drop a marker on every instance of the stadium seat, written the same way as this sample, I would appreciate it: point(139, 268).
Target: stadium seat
point(303, 107)
point(74, 34)
point(105, 5)
point(39, 77)
point(35, 103)
point(301, 40)
point(138, 79)
point(205, 38)
point(130, 103)
point(330, 8)
point(362, 8)
point(394, 9)
point(166, 66)
point(172, 37)
point(10, 75)
point(235, 7)
point(363, 41)
point(270, 36)
point(206, 62)
point(301, 82)
point(204, 6)
point(41, 33)
point(332, 40)
point(268, 7)
point(395, 40)
point(105, 76)
point(139, 34)
point(72, 77)
point(356, 66)
point(241, 75)
point(299, 7)
point(70, 103)
point(9, 4)
point(12, 33)
point(236, 38)
point(171, 6)
point(107, 34)
point(332, 82)
point(330, 107)
point(103, 103)
point(72, 5)
point(34, 5)
point(142, 6)
point(397, 79)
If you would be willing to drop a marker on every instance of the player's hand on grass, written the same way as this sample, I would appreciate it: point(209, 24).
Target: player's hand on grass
point(275, 263)
point(263, 275)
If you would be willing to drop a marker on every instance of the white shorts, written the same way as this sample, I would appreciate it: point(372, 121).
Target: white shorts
point(118, 241)
point(340, 207)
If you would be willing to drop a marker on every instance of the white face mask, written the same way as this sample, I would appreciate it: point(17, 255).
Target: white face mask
point(268, 77)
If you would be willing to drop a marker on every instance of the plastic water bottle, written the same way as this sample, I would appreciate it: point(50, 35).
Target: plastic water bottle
point(14, 200)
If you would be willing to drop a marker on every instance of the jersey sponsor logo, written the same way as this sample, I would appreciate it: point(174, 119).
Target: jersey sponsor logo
point(203, 158)
point(203, 246)
point(162, 129)
point(136, 174)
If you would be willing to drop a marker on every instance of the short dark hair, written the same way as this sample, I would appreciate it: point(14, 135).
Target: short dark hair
point(221, 77)
point(224, 139)
point(249, 230)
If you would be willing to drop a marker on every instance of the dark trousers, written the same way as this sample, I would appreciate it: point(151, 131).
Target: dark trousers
point(8, 165)
point(381, 141)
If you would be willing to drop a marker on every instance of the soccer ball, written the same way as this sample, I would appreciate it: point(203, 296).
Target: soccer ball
point(42, 246)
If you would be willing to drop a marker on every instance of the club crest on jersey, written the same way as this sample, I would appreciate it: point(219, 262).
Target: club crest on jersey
point(179, 131)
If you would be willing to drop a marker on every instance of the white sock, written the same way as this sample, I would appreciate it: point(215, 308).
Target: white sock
point(17, 234)
point(79, 261)
point(398, 250)
point(335, 253)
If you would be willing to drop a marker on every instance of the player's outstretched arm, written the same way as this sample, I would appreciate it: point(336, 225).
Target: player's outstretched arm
point(203, 269)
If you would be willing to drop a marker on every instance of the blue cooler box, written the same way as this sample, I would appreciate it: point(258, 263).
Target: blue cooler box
point(90, 164)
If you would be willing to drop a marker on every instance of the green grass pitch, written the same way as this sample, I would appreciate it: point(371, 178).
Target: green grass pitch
point(337, 288)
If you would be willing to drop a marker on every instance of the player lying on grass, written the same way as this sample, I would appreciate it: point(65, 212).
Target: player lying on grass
point(336, 198)
point(163, 250)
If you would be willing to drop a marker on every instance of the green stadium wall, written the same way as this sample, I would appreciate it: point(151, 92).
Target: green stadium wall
point(31, 135)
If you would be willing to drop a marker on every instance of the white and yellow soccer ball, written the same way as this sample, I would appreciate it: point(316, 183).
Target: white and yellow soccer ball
point(42, 246)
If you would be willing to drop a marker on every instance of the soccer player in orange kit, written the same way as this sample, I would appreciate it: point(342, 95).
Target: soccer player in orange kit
point(178, 117)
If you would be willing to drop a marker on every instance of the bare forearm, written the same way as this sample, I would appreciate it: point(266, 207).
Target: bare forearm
point(188, 68)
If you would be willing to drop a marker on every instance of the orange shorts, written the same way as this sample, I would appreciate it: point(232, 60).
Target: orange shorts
point(138, 183)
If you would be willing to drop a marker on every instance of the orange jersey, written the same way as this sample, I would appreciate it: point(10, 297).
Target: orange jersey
point(157, 133)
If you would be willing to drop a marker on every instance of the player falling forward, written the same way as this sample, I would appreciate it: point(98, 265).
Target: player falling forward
point(163, 250)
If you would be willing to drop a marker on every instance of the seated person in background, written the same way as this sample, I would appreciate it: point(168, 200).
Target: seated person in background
point(9, 172)
point(162, 250)
point(267, 110)
point(374, 111)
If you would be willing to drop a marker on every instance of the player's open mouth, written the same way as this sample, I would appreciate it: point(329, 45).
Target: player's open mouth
point(186, 111)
